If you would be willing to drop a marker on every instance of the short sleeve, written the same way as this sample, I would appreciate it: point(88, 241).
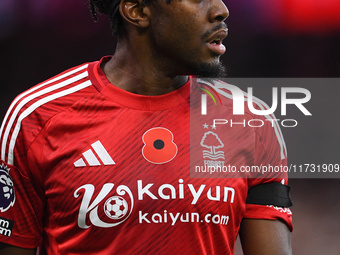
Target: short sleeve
point(271, 159)
point(21, 201)
point(20, 209)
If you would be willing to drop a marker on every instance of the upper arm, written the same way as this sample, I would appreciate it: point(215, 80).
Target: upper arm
point(6, 249)
point(265, 237)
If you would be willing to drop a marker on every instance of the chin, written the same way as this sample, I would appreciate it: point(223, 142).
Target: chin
point(210, 69)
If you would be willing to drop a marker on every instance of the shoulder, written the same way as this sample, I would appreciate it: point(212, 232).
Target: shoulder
point(254, 112)
point(238, 99)
point(31, 110)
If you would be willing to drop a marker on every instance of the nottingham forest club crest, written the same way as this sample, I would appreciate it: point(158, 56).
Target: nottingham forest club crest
point(212, 154)
point(7, 196)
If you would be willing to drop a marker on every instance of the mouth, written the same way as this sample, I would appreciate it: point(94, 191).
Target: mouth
point(217, 41)
point(214, 42)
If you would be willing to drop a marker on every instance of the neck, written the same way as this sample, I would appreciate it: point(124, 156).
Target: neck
point(137, 71)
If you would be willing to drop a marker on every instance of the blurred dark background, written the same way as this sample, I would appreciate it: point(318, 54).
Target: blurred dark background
point(281, 38)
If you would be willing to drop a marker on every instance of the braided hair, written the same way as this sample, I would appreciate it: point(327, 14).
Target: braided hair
point(110, 8)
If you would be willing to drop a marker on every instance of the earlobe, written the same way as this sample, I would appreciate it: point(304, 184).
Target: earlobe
point(135, 13)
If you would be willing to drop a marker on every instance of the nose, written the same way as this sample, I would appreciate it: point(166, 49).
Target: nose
point(219, 11)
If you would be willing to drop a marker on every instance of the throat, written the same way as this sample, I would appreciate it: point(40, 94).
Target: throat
point(141, 82)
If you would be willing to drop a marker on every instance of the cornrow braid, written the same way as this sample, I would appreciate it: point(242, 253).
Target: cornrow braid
point(111, 8)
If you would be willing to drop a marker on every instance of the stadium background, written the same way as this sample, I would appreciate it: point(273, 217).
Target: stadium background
point(282, 38)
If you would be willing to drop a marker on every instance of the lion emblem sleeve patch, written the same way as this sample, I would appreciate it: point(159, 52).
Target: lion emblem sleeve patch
point(7, 195)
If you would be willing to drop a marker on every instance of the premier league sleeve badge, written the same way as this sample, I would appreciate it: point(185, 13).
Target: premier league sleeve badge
point(7, 196)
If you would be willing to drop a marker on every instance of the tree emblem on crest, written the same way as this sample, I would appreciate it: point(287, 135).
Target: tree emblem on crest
point(211, 141)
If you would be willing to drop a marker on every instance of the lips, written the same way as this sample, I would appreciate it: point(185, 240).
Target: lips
point(214, 41)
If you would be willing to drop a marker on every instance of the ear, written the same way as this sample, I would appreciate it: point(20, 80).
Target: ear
point(134, 12)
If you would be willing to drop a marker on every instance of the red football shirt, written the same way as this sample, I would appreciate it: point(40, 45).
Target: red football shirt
point(89, 168)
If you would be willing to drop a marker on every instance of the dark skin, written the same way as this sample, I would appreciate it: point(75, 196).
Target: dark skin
point(162, 43)
point(265, 237)
point(147, 60)
point(6, 249)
